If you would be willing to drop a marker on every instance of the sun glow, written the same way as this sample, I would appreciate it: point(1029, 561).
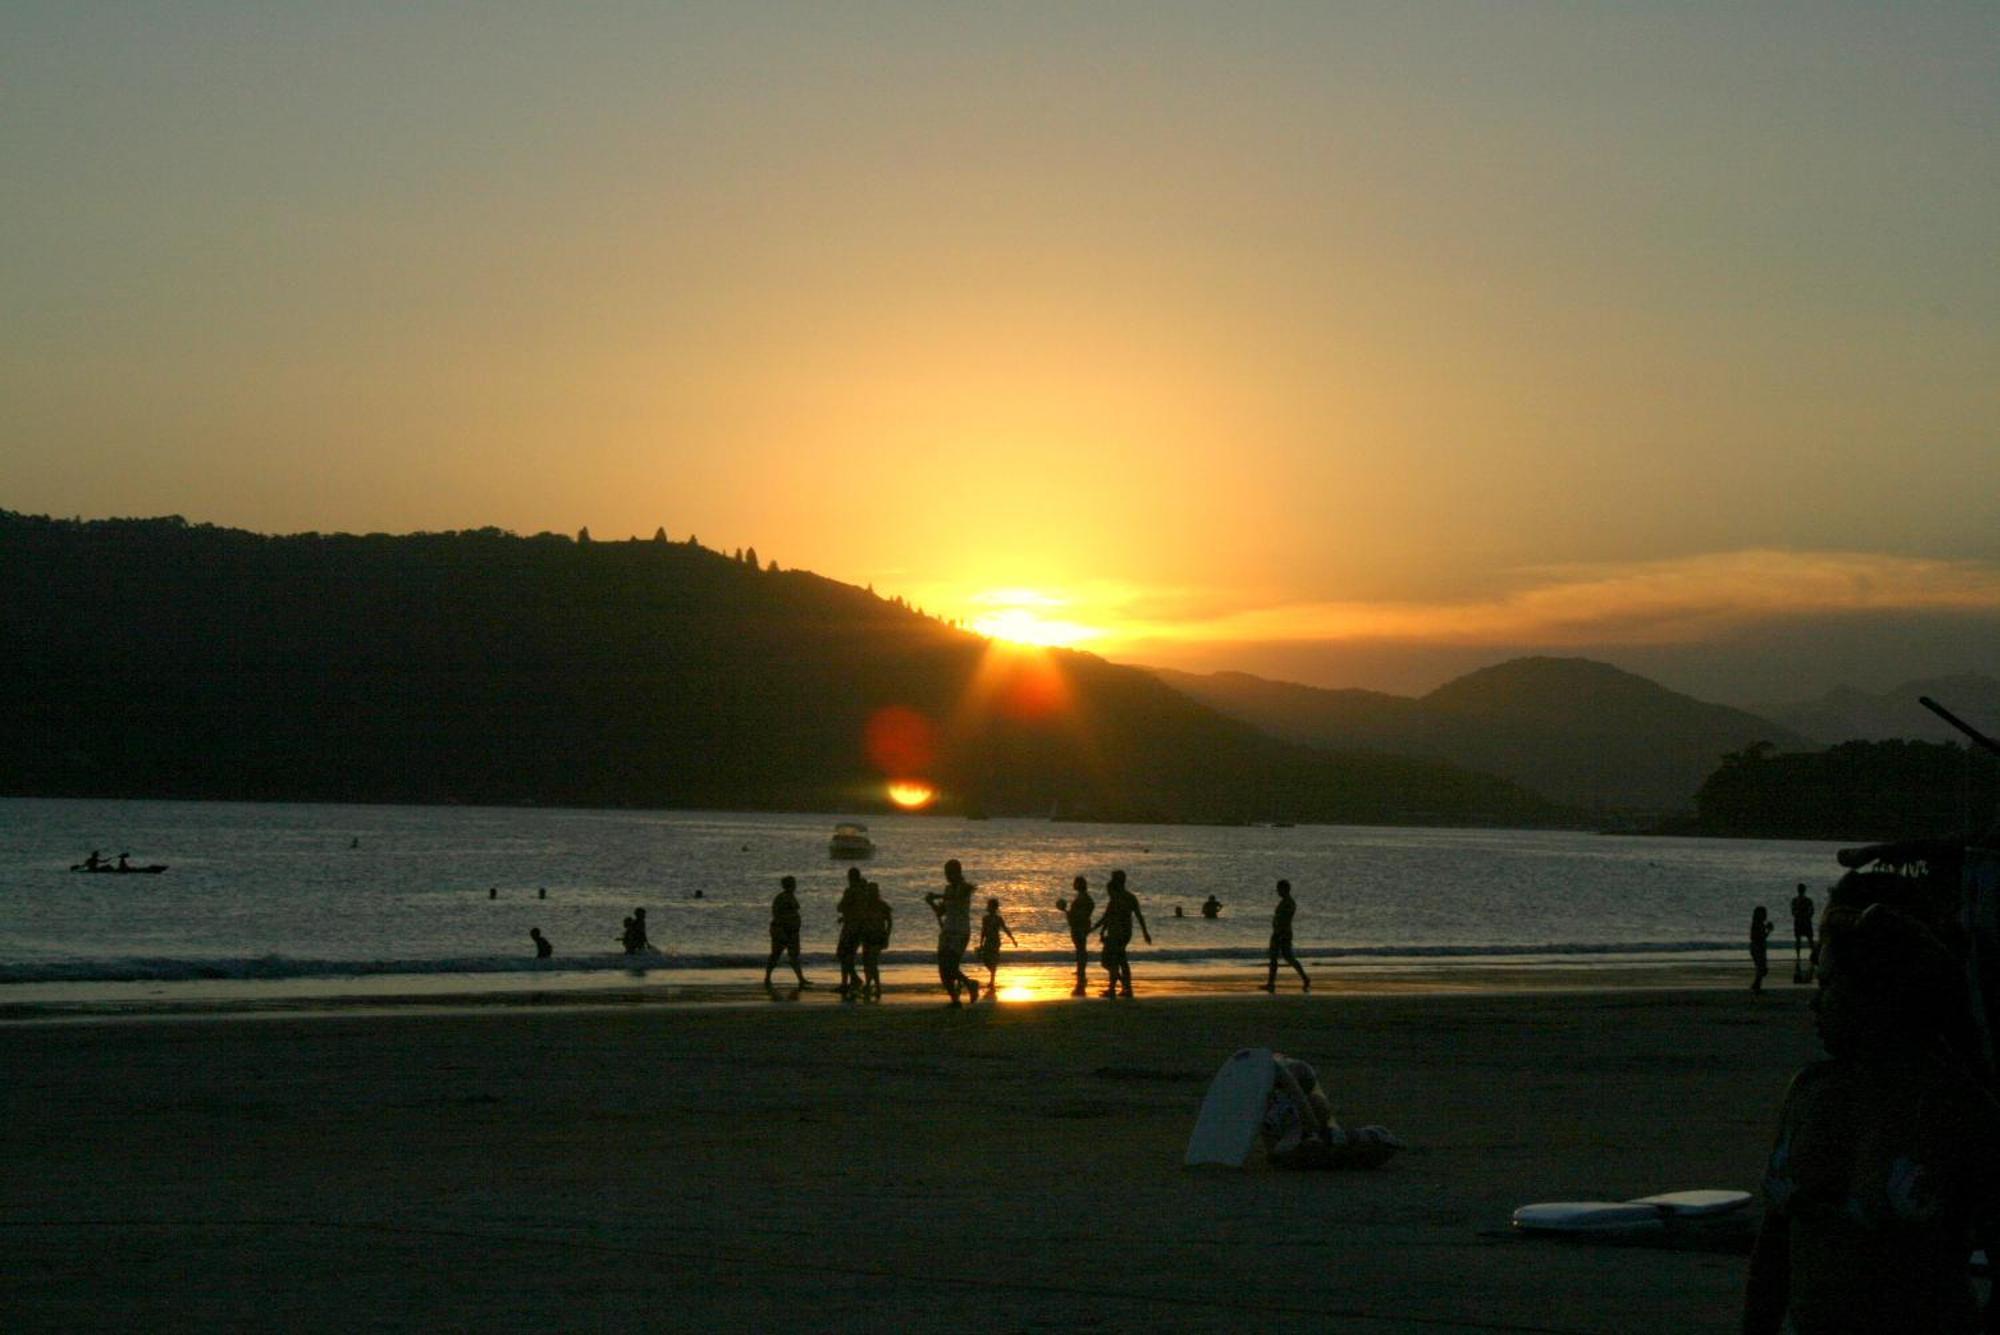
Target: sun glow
point(1019, 616)
point(911, 795)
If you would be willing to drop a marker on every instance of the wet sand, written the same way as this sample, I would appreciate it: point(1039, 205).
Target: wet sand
point(827, 1167)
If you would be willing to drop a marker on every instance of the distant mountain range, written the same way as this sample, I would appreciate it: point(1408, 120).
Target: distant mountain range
point(1845, 714)
point(157, 658)
point(1578, 732)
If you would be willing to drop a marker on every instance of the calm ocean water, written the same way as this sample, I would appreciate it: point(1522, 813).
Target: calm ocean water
point(331, 893)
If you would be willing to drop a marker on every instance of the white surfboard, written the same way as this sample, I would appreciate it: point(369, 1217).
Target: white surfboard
point(1695, 1204)
point(1603, 1217)
point(1233, 1109)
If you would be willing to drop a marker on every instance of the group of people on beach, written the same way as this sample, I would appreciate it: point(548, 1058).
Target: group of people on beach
point(866, 922)
point(1805, 946)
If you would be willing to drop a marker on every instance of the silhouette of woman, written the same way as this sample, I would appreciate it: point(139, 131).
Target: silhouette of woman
point(1760, 939)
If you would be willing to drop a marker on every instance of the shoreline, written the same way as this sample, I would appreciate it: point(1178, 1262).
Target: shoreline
point(903, 985)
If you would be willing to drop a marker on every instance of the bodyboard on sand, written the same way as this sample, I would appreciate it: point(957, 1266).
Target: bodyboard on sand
point(1695, 1204)
point(1233, 1109)
point(1590, 1217)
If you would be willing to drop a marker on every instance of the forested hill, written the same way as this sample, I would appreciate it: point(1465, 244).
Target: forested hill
point(162, 659)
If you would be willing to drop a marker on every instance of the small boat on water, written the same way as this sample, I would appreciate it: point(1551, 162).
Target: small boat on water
point(108, 869)
point(850, 840)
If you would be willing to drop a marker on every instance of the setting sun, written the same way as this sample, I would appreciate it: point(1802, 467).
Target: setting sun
point(912, 796)
point(1017, 617)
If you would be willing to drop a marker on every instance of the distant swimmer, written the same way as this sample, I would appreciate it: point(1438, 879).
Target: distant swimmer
point(697, 895)
point(542, 947)
point(1211, 907)
point(785, 925)
point(634, 936)
point(1077, 910)
point(493, 892)
point(990, 928)
point(1178, 913)
point(542, 892)
point(1121, 907)
point(953, 908)
point(355, 842)
point(1281, 939)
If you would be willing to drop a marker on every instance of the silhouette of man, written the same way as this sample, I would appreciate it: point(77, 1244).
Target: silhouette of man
point(1121, 907)
point(1281, 939)
point(953, 908)
point(1077, 911)
point(1803, 944)
point(542, 947)
point(785, 925)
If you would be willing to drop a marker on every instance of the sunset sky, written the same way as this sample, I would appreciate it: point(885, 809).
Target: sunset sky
point(1350, 343)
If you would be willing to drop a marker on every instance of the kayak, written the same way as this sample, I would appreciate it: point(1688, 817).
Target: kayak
point(153, 870)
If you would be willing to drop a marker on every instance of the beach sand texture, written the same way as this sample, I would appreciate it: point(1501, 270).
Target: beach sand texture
point(818, 1168)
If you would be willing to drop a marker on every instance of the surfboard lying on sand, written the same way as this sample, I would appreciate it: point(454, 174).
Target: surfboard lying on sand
point(1233, 1109)
point(1647, 1214)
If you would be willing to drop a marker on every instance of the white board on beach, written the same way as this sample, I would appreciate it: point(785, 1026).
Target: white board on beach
point(1601, 1217)
point(1695, 1204)
point(1233, 1109)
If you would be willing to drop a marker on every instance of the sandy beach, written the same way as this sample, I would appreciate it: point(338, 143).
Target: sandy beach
point(819, 1167)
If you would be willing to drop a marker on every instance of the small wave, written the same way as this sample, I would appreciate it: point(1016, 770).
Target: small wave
point(280, 967)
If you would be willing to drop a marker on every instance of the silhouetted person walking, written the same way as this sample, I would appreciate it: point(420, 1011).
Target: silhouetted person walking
point(1883, 1176)
point(953, 908)
point(785, 926)
point(1121, 908)
point(1760, 945)
point(990, 928)
point(542, 947)
point(1077, 911)
point(848, 912)
point(1804, 948)
point(877, 921)
point(1281, 939)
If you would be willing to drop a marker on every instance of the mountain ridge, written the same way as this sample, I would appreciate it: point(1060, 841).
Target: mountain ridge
point(1575, 730)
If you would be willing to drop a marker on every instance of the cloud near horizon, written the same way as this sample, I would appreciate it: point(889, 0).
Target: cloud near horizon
point(1678, 601)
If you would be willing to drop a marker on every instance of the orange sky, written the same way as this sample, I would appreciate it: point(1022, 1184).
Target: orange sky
point(1348, 342)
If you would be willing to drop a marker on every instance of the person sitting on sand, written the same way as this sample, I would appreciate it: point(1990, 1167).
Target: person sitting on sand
point(1211, 907)
point(1299, 1130)
point(1760, 945)
point(1883, 1176)
point(953, 908)
point(877, 921)
point(848, 913)
point(1281, 939)
point(785, 925)
point(990, 928)
point(1121, 907)
point(542, 947)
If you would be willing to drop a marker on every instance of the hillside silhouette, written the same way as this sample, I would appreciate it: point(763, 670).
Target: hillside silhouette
point(1578, 732)
point(1859, 790)
point(158, 658)
point(1846, 714)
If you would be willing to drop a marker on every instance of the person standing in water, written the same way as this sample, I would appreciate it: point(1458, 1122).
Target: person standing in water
point(1805, 951)
point(953, 908)
point(990, 928)
point(785, 924)
point(1121, 908)
point(542, 947)
point(1281, 939)
point(1077, 911)
point(1760, 945)
point(848, 912)
point(877, 920)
